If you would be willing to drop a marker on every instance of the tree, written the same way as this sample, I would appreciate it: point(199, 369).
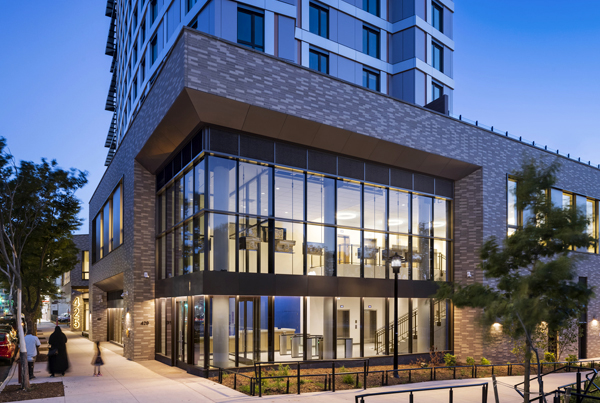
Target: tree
point(37, 204)
point(533, 269)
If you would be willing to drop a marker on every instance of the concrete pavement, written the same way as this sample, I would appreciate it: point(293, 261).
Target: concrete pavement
point(151, 381)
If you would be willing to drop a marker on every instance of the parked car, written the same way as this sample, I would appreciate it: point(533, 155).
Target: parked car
point(8, 346)
point(7, 328)
point(64, 318)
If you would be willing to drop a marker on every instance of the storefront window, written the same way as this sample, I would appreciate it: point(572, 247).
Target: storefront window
point(348, 251)
point(289, 194)
point(320, 327)
point(222, 242)
point(375, 207)
point(288, 328)
point(255, 187)
point(289, 240)
point(320, 199)
point(348, 203)
point(222, 180)
point(320, 250)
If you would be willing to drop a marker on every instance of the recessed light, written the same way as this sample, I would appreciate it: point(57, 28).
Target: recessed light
point(276, 188)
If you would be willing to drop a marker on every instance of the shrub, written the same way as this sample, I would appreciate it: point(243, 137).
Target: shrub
point(571, 358)
point(348, 379)
point(484, 361)
point(450, 360)
point(549, 357)
point(470, 361)
point(343, 369)
point(424, 364)
point(283, 370)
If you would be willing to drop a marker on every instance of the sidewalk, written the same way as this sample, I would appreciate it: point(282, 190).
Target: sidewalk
point(151, 381)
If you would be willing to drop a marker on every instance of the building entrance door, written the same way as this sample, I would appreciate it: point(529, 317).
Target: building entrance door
point(182, 332)
point(249, 330)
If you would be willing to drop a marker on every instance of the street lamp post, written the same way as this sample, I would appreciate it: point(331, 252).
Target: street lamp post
point(396, 264)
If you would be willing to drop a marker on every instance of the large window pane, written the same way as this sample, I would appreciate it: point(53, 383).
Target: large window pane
point(222, 331)
point(188, 247)
point(374, 256)
point(254, 246)
point(170, 206)
point(107, 230)
point(590, 212)
point(321, 323)
point(289, 194)
point(375, 327)
point(288, 328)
point(199, 186)
point(178, 252)
point(289, 238)
point(199, 310)
point(222, 242)
point(399, 220)
point(441, 213)
point(399, 244)
point(255, 184)
point(199, 243)
point(222, 184)
point(440, 260)
point(421, 258)
point(188, 205)
point(179, 200)
point(320, 199)
point(440, 325)
point(375, 207)
point(421, 215)
point(117, 217)
point(320, 250)
point(513, 214)
point(348, 247)
point(404, 326)
point(348, 329)
point(348, 203)
point(422, 343)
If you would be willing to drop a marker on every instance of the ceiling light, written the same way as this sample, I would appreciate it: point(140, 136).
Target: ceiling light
point(345, 216)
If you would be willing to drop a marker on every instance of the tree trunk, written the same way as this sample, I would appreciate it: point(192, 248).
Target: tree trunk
point(22, 345)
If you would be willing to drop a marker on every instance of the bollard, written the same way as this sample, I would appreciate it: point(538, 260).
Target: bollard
point(333, 375)
point(298, 375)
point(495, 385)
point(260, 381)
point(451, 397)
point(365, 376)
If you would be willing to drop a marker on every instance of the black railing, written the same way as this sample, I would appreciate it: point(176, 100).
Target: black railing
point(403, 332)
point(484, 392)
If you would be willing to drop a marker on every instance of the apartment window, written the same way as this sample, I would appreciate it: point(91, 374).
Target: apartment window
point(371, 79)
point(371, 42)
point(371, 6)
point(437, 56)
point(251, 28)
point(107, 230)
point(153, 11)
point(512, 219)
point(436, 90)
point(153, 50)
point(319, 61)
point(189, 5)
point(85, 265)
point(319, 20)
point(437, 16)
point(590, 212)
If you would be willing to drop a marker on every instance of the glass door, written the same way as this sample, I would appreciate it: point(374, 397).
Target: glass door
point(182, 331)
point(249, 331)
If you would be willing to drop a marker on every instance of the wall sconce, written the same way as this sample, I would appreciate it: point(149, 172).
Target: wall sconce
point(146, 275)
point(594, 321)
point(497, 326)
point(125, 293)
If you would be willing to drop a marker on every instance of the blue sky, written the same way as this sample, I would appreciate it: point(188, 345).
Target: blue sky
point(523, 66)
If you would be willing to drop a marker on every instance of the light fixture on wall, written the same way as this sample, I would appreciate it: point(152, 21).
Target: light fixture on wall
point(594, 321)
point(125, 293)
point(146, 275)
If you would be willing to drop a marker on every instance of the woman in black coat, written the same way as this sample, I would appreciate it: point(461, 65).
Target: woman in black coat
point(58, 363)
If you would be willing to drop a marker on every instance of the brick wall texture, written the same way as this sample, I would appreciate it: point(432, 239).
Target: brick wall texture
point(204, 63)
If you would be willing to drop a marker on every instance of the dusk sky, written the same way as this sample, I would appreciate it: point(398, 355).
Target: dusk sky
point(518, 66)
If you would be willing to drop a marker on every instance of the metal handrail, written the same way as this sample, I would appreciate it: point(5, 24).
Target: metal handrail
point(484, 393)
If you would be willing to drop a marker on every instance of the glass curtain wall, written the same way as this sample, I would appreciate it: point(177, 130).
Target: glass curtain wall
point(225, 214)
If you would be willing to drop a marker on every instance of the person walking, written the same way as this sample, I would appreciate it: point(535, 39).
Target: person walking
point(58, 362)
point(97, 362)
point(31, 343)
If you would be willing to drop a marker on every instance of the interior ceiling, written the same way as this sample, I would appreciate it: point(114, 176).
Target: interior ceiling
point(193, 108)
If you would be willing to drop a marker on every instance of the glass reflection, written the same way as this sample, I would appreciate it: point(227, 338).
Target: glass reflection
point(348, 251)
point(420, 258)
point(348, 203)
point(320, 250)
point(399, 219)
point(421, 215)
point(289, 194)
point(374, 254)
point(320, 199)
point(440, 218)
point(255, 183)
point(375, 207)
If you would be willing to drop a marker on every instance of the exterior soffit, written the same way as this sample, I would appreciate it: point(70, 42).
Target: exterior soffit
point(194, 108)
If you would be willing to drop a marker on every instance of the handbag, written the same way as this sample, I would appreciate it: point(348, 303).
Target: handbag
point(52, 351)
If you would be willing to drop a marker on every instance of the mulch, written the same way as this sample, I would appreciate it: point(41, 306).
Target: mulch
point(14, 393)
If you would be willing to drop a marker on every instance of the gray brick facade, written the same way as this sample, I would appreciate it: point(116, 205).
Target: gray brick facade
point(202, 64)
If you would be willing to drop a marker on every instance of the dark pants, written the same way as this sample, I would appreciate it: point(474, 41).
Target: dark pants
point(30, 364)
